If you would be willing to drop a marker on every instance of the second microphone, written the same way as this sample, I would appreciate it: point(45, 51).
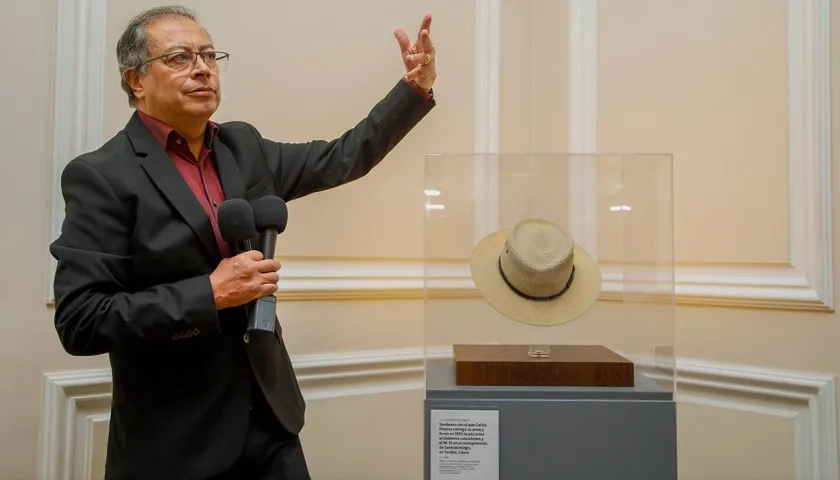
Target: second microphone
point(270, 218)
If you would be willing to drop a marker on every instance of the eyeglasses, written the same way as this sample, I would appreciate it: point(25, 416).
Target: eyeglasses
point(182, 59)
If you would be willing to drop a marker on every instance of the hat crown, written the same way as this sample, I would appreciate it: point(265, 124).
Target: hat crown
point(538, 259)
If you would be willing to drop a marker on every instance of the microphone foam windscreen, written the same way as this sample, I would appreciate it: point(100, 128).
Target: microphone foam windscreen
point(271, 212)
point(236, 220)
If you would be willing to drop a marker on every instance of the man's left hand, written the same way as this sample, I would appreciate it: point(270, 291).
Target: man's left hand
point(419, 59)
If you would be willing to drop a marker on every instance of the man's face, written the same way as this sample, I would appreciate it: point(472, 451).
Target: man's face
point(175, 87)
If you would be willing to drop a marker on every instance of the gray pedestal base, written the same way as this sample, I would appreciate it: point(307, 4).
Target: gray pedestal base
point(550, 433)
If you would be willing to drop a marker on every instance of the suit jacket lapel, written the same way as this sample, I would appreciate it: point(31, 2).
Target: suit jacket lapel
point(228, 171)
point(229, 175)
point(159, 167)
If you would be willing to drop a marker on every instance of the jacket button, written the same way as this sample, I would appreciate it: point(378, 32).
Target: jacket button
point(246, 338)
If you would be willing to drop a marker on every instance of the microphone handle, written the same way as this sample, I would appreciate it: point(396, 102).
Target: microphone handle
point(241, 246)
point(269, 242)
point(261, 312)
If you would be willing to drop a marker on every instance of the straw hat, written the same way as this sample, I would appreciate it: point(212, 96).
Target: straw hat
point(535, 274)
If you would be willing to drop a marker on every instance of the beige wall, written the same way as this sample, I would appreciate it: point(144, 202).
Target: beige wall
point(712, 82)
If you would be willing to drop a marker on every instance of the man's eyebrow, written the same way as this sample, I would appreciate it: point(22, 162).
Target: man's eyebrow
point(184, 47)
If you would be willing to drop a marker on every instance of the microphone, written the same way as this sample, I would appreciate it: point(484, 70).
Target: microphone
point(236, 224)
point(270, 216)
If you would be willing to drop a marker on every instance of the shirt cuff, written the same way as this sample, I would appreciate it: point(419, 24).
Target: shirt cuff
point(420, 91)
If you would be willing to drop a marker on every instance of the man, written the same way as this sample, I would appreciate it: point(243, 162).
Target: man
point(144, 276)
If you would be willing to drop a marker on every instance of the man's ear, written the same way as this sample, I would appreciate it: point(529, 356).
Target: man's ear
point(133, 80)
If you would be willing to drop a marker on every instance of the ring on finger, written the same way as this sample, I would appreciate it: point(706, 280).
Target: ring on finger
point(428, 59)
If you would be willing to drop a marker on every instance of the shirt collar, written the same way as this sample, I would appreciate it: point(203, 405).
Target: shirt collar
point(164, 134)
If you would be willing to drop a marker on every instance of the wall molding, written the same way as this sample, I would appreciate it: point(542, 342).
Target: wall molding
point(486, 117)
point(809, 156)
point(807, 282)
point(78, 97)
point(75, 401)
point(71, 400)
point(583, 123)
point(349, 278)
point(807, 398)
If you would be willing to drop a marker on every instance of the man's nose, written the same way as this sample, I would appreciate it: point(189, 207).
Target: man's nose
point(200, 68)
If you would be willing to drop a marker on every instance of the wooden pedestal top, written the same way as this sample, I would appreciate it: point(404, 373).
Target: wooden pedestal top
point(567, 365)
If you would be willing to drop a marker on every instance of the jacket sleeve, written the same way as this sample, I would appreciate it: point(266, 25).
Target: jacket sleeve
point(299, 169)
point(94, 309)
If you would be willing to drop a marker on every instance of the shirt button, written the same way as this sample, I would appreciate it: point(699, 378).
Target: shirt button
point(179, 141)
point(215, 204)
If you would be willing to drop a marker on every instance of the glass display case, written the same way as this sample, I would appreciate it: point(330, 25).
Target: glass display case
point(549, 307)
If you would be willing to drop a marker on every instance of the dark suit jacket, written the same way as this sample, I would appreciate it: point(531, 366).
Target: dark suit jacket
point(134, 258)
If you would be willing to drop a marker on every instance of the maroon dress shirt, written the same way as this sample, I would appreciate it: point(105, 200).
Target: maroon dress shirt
point(200, 173)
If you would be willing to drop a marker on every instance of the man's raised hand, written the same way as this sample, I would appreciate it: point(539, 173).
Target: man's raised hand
point(419, 59)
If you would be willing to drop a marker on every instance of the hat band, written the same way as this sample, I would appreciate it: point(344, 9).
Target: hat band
point(531, 297)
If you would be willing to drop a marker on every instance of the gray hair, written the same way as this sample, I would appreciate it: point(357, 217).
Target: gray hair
point(134, 46)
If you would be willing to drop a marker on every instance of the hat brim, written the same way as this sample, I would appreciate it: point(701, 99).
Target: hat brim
point(581, 295)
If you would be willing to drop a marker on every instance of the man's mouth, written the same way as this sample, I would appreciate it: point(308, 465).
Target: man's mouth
point(201, 89)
